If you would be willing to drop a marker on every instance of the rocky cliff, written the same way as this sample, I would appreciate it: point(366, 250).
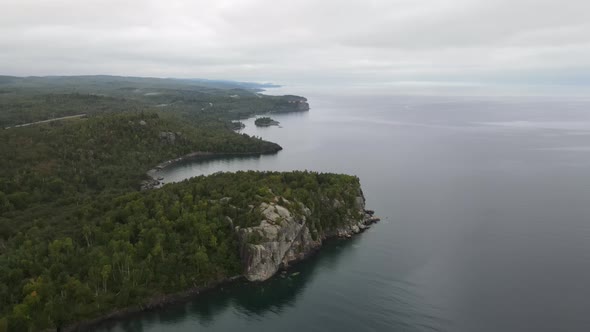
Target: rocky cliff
point(290, 231)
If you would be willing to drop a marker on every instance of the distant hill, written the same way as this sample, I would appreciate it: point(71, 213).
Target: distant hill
point(233, 84)
point(94, 83)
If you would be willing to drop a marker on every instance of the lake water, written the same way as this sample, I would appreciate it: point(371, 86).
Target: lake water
point(485, 205)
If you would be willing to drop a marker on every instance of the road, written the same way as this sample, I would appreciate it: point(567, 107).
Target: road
point(46, 121)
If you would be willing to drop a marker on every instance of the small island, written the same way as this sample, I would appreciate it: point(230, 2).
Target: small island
point(265, 122)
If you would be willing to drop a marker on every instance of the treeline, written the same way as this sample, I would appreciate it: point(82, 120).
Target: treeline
point(25, 100)
point(21, 109)
point(48, 167)
point(128, 248)
point(78, 239)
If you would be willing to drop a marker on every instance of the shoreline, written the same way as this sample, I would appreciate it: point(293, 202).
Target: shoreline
point(160, 301)
point(153, 303)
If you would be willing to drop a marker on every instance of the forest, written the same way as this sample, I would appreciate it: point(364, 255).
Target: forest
point(124, 249)
point(77, 237)
point(25, 100)
point(49, 167)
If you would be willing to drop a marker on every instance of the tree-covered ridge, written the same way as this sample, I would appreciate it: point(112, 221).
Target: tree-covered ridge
point(19, 109)
point(48, 167)
point(131, 125)
point(77, 238)
point(105, 83)
point(24, 100)
point(128, 248)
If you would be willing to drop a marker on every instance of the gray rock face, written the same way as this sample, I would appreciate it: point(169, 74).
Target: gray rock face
point(284, 237)
point(303, 106)
point(264, 246)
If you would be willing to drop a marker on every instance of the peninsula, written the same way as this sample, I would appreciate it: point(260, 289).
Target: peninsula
point(79, 241)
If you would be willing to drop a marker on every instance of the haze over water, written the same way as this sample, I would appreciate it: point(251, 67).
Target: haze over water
point(485, 206)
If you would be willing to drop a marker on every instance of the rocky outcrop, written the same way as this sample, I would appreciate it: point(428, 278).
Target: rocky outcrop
point(300, 103)
point(285, 236)
point(150, 183)
point(169, 136)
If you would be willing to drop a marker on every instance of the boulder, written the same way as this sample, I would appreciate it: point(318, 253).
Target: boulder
point(284, 237)
point(168, 136)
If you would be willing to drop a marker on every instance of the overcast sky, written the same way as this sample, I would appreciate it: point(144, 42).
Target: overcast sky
point(302, 41)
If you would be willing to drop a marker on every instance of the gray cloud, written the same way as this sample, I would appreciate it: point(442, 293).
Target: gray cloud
point(389, 41)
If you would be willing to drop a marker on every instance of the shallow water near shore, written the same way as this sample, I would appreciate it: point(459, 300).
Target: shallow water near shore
point(485, 220)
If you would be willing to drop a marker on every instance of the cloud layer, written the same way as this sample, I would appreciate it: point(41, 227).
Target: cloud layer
point(304, 41)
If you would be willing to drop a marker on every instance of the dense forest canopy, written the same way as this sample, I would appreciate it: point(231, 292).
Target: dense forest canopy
point(125, 249)
point(50, 166)
point(24, 100)
point(77, 237)
point(130, 125)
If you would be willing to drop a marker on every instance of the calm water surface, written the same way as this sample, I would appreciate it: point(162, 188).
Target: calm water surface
point(486, 220)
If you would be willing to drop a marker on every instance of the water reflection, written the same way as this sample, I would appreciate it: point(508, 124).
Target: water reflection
point(252, 301)
point(205, 165)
